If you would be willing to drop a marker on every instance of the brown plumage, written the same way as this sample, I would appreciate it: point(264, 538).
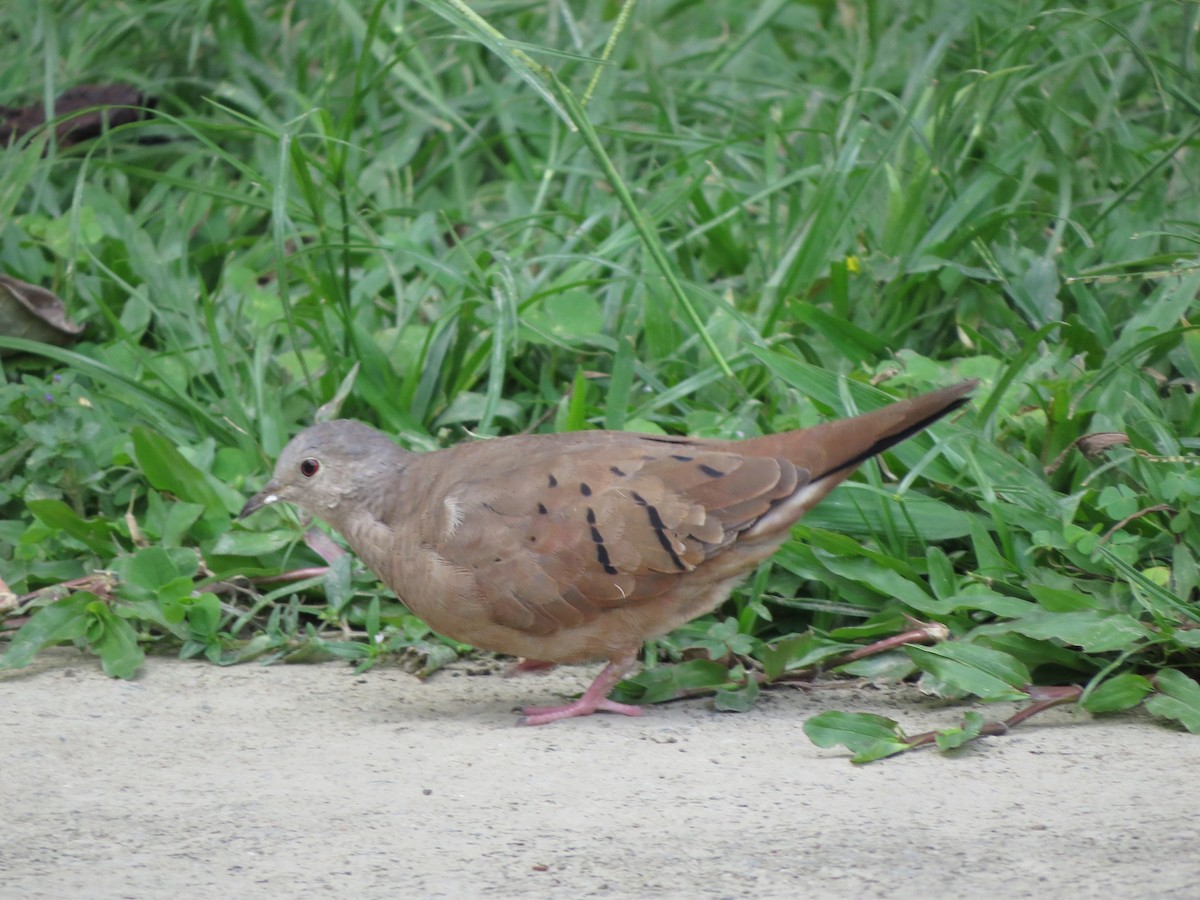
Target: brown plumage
point(576, 547)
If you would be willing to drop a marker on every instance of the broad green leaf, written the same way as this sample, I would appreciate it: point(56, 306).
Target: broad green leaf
point(252, 543)
point(666, 682)
point(866, 735)
point(852, 342)
point(931, 684)
point(371, 619)
point(988, 674)
point(114, 640)
point(150, 610)
point(881, 625)
point(1119, 692)
point(878, 750)
point(153, 567)
point(1185, 573)
point(339, 589)
point(1059, 601)
point(639, 425)
point(570, 316)
point(737, 699)
point(156, 578)
point(1187, 637)
point(179, 519)
point(95, 534)
point(1032, 652)
point(472, 406)
point(941, 572)
point(989, 601)
point(698, 674)
point(854, 508)
point(1118, 501)
point(63, 620)
point(851, 730)
point(169, 470)
point(991, 562)
point(887, 668)
point(1179, 699)
point(800, 651)
point(952, 738)
point(834, 542)
point(885, 581)
point(1093, 630)
point(203, 613)
point(174, 598)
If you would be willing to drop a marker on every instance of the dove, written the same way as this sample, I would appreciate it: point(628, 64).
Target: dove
point(576, 547)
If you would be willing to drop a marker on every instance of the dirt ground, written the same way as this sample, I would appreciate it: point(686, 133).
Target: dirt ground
point(197, 781)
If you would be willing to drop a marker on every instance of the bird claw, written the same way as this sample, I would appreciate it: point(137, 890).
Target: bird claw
point(542, 715)
point(594, 699)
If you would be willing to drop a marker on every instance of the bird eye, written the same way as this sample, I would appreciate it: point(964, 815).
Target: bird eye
point(309, 467)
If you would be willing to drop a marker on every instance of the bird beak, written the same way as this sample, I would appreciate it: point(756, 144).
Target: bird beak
point(263, 498)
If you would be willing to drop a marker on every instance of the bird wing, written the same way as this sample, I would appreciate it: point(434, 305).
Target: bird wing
point(574, 529)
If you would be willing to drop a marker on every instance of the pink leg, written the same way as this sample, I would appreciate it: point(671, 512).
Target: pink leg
point(522, 666)
point(594, 699)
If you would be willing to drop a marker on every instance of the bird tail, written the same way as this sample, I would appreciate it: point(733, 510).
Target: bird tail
point(829, 452)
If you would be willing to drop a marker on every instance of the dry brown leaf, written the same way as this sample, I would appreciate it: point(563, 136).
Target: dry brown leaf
point(33, 313)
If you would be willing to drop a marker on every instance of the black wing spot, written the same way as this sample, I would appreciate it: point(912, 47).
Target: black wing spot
point(616, 470)
point(601, 551)
point(584, 489)
point(602, 555)
point(660, 529)
point(638, 498)
point(676, 456)
point(591, 516)
point(711, 472)
point(553, 481)
point(542, 509)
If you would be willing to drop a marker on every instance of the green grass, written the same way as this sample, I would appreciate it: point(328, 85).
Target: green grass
point(720, 218)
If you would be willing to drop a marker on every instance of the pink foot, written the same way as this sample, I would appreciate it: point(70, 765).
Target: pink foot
point(543, 715)
point(594, 699)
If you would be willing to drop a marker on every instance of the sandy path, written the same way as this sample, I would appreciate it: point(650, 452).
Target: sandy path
point(196, 781)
